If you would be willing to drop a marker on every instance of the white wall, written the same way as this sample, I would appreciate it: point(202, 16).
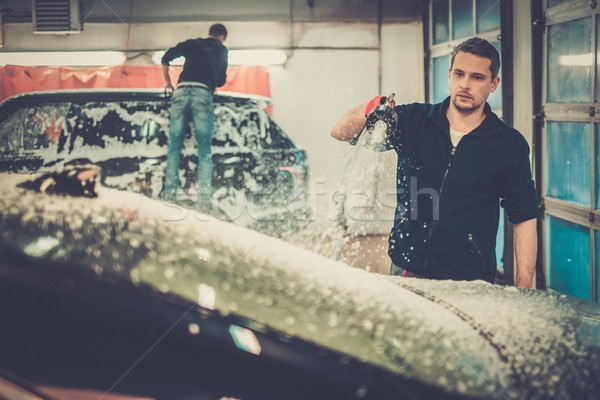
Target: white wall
point(317, 86)
point(523, 94)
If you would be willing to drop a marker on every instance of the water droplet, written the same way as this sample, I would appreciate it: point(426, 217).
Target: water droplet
point(194, 329)
point(361, 391)
point(41, 246)
point(169, 273)
point(164, 288)
point(345, 360)
point(203, 254)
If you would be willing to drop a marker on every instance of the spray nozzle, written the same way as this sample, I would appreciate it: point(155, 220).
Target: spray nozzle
point(381, 123)
point(390, 100)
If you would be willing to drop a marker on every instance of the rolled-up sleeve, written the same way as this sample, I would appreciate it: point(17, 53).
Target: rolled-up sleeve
point(223, 70)
point(172, 53)
point(519, 195)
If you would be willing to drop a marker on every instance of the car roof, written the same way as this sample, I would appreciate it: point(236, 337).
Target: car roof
point(99, 94)
point(8, 106)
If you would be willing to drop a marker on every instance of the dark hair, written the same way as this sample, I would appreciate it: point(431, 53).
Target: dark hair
point(217, 30)
point(482, 48)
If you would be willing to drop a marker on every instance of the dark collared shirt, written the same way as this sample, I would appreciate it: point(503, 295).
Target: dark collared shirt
point(448, 198)
point(205, 61)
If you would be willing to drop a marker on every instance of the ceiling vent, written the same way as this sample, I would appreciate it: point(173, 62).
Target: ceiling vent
point(56, 16)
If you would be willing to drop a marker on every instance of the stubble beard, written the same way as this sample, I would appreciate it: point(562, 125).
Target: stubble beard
point(465, 110)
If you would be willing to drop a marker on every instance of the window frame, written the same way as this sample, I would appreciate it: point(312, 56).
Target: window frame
point(587, 217)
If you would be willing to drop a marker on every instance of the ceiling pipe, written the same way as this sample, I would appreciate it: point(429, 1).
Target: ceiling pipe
point(292, 45)
point(379, 24)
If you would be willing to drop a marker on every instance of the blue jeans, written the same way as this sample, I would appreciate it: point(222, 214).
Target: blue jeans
point(195, 104)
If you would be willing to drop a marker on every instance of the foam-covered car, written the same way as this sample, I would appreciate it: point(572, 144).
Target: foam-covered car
point(257, 167)
point(122, 295)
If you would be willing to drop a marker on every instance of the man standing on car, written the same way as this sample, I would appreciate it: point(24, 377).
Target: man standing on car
point(456, 161)
point(204, 69)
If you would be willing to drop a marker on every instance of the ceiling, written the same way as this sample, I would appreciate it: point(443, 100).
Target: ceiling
point(152, 11)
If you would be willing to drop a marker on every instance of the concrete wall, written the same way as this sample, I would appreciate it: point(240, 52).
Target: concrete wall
point(523, 99)
point(317, 86)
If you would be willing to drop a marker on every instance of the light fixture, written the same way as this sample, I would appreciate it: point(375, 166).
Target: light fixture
point(63, 58)
point(158, 55)
point(240, 57)
point(582, 60)
point(257, 57)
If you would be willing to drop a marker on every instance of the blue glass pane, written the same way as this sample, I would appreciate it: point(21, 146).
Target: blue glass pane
point(570, 62)
point(597, 64)
point(495, 99)
point(488, 15)
point(500, 241)
point(597, 266)
point(598, 167)
point(440, 14)
point(569, 264)
point(440, 78)
point(462, 19)
point(569, 162)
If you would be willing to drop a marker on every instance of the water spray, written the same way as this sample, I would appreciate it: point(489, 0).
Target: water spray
point(380, 125)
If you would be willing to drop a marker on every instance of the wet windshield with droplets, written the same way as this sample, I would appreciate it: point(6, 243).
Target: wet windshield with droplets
point(472, 338)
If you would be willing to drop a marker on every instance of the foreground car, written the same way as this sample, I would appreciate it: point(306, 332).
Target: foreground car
point(128, 295)
point(256, 164)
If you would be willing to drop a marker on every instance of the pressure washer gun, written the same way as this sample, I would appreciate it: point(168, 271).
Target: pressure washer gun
point(381, 124)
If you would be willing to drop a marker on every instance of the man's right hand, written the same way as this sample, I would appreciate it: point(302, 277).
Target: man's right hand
point(168, 90)
point(376, 102)
point(167, 77)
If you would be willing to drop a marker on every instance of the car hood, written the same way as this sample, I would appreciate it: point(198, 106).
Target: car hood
point(471, 338)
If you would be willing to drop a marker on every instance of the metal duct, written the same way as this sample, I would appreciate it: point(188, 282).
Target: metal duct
point(56, 16)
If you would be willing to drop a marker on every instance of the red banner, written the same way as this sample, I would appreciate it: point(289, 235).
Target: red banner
point(16, 79)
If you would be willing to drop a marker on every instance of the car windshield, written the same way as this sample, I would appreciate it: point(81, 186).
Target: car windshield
point(82, 129)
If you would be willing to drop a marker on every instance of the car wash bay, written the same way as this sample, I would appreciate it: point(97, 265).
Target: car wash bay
point(336, 54)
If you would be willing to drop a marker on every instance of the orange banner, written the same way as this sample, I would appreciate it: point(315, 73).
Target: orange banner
point(16, 79)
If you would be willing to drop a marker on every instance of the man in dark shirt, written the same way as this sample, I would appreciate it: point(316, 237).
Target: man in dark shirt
point(456, 162)
point(205, 69)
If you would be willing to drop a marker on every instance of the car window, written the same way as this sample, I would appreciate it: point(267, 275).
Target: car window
point(243, 124)
point(244, 127)
point(102, 130)
point(34, 129)
point(99, 123)
point(253, 129)
point(279, 139)
point(75, 127)
point(226, 131)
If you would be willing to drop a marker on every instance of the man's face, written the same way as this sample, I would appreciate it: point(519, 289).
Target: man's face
point(470, 81)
